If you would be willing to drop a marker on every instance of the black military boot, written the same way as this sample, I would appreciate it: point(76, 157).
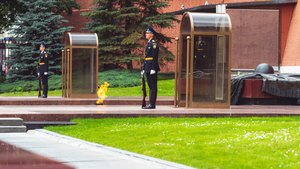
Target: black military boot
point(149, 106)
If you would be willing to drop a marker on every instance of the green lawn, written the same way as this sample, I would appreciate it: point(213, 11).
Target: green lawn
point(199, 142)
point(165, 88)
point(122, 83)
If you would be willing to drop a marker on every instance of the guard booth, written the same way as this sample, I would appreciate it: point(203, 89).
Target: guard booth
point(202, 76)
point(80, 65)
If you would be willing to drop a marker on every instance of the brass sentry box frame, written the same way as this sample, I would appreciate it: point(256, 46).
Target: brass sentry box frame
point(202, 76)
point(80, 65)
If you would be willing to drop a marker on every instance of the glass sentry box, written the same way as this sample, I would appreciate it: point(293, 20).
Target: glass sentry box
point(80, 65)
point(202, 76)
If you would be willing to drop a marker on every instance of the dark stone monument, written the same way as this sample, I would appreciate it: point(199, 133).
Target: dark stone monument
point(264, 68)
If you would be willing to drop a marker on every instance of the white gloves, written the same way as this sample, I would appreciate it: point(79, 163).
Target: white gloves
point(38, 73)
point(45, 73)
point(152, 72)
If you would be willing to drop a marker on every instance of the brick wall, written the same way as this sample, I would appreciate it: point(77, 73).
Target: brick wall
point(77, 21)
point(289, 53)
point(176, 5)
point(85, 4)
point(286, 17)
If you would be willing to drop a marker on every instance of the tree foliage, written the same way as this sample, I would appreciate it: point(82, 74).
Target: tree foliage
point(40, 23)
point(9, 9)
point(120, 25)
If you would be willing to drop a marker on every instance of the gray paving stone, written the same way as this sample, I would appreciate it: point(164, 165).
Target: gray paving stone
point(82, 154)
point(11, 122)
point(12, 129)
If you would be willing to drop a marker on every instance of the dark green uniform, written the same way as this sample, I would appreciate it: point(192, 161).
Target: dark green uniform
point(43, 71)
point(151, 63)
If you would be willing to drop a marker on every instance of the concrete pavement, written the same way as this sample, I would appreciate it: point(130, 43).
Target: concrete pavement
point(82, 154)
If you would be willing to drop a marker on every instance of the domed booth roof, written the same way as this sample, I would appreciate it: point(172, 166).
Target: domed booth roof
point(205, 22)
point(81, 39)
point(203, 61)
point(80, 65)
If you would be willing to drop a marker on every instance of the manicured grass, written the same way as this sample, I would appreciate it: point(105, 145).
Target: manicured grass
point(165, 88)
point(199, 142)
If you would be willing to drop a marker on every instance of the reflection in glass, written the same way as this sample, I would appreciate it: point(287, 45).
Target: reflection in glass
point(79, 39)
point(183, 68)
point(220, 67)
point(204, 22)
point(84, 71)
point(185, 25)
point(209, 73)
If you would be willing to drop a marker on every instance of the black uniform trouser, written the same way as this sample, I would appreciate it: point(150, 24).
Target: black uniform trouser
point(44, 79)
point(152, 83)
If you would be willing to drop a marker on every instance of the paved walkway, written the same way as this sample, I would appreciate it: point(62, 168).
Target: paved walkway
point(108, 110)
point(160, 109)
point(85, 155)
point(81, 154)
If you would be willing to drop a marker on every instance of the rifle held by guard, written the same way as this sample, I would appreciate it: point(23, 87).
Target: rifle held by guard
point(40, 87)
point(144, 91)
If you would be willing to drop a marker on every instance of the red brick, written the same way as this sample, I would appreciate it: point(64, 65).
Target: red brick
point(290, 23)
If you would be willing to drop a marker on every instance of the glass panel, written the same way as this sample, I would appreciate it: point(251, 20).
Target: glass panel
point(63, 73)
point(68, 72)
point(210, 69)
point(204, 67)
point(220, 67)
point(182, 74)
point(210, 22)
point(83, 39)
point(67, 40)
point(185, 25)
point(84, 71)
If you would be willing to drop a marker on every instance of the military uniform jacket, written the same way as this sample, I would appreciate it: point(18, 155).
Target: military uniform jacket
point(151, 57)
point(43, 62)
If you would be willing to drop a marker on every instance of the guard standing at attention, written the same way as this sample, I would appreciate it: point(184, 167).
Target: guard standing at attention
point(43, 69)
point(151, 66)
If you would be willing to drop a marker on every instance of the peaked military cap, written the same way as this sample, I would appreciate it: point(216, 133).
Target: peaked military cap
point(43, 44)
point(150, 30)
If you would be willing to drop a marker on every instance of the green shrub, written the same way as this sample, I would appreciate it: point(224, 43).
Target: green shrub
point(166, 76)
point(116, 78)
point(26, 85)
point(2, 78)
point(120, 78)
point(127, 78)
point(54, 82)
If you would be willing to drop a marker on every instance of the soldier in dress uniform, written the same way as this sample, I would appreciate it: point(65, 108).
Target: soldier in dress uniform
point(151, 66)
point(43, 69)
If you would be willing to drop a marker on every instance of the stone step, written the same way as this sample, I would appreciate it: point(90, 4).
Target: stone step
point(41, 124)
point(11, 122)
point(12, 129)
point(81, 101)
